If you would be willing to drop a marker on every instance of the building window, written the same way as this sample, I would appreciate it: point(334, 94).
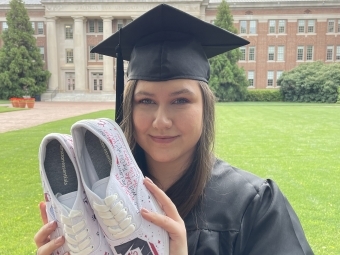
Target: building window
point(33, 26)
point(251, 78)
point(91, 26)
point(309, 53)
point(301, 26)
point(282, 26)
point(270, 78)
point(95, 26)
point(69, 56)
point(70, 81)
point(92, 55)
point(40, 28)
point(4, 26)
point(272, 26)
point(252, 27)
point(329, 54)
point(42, 52)
point(120, 24)
point(243, 53)
point(100, 26)
point(97, 81)
point(330, 28)
point(100, 56)
point(278, 75)
point(68, 32)
point(280, 53)
point(338, 25)
point(337, 57)
point(251, 53)
point(311, 26)
point(243, 27)
point(300, 53)
point(271, 53)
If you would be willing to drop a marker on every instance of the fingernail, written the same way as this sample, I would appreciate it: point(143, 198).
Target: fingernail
point(148, 180)
point(67, 253)
point(144, 210)
point(51, 224)
point(59, 240)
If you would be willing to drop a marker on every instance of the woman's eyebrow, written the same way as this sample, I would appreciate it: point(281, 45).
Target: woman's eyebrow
point(144, 93)
point(182, 91)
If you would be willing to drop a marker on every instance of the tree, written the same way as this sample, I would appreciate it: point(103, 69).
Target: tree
point(311, 82)
point(227, 80)
point(21, 66)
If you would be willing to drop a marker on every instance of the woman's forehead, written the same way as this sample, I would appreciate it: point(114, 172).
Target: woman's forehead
point(170, 85)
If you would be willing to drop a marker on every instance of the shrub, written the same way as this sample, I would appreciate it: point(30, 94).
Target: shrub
point(264, 95)
point(311, 82)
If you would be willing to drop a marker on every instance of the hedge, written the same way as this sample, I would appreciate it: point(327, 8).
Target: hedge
point(263, 95)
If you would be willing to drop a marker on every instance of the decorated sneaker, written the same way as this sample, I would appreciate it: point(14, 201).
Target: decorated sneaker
point(66, 201)
point(114, 186)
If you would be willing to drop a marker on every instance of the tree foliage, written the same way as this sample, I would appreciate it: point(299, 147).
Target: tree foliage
point(21, 66)
point(227, 80)
point(311, 82)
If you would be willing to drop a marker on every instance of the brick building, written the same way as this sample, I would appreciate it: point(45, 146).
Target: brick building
point(282, 34)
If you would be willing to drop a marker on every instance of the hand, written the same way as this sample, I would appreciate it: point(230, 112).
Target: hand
point(171, 222)
point(42, 239)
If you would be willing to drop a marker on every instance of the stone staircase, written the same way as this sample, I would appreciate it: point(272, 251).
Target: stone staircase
point(78, 97)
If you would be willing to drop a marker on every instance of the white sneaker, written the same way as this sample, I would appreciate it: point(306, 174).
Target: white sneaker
point(66, 201)
point(114, 185)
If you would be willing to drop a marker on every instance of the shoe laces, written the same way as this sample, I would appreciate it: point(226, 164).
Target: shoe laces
point(115, 216)
point(77, 235)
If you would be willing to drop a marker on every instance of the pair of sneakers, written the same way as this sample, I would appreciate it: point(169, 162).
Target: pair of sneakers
point(94, 191)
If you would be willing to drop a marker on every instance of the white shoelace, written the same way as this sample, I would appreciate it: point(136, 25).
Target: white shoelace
point(77, 234)
point(115, 217)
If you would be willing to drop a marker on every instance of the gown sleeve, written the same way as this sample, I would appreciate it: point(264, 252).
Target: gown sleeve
point(270, 226)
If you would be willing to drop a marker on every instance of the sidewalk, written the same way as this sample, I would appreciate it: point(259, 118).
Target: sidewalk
point(48, 111)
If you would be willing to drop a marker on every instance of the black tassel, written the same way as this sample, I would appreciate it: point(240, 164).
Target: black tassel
point(119, 83)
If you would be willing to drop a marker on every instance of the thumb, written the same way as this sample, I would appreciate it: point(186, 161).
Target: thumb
point(42, 207)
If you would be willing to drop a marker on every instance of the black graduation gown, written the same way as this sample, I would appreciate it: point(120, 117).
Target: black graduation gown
point(242, 214)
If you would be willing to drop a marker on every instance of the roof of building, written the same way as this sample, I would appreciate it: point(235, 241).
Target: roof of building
point(266, 1)
point(211, 1)
point(26, 2)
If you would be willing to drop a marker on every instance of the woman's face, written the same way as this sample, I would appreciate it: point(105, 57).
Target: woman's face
point(167, 119)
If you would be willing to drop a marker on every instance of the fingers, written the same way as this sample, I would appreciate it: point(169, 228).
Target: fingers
point(171, 222)
point(42, 240)
point(48, 248)
point(174, 228)
point(42, 236)
point(165, 202)
point(42, 207)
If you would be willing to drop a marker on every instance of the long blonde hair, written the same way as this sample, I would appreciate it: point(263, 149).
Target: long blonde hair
point(187, 191)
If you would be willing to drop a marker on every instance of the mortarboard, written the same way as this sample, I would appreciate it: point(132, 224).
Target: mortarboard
point(164, 44)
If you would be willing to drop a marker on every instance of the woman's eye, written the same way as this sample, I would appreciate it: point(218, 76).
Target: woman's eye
point(181, 101)
point(146, 101)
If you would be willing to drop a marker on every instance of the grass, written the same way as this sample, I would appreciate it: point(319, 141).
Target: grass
point(5, 102)
point(297, 145)
point(8, 109)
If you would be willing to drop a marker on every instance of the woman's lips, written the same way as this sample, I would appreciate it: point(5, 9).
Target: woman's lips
point(163, 139)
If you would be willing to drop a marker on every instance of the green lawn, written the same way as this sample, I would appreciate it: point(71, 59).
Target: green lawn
point(297, 145)
point(9, 109)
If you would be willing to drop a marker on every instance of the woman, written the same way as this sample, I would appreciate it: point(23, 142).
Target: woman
point(210, 206)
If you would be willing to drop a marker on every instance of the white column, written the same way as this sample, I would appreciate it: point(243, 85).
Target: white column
point(52, 52)
point(79, 53)
point(107, 61)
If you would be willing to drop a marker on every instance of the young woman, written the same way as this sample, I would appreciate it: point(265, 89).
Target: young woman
point(168, 119)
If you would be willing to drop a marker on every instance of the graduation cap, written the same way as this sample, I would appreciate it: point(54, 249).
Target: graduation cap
point(165, 44)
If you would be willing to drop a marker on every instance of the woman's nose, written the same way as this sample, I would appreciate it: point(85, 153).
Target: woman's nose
point(162, 119)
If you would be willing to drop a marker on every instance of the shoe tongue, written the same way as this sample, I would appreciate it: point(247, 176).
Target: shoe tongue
point(100, 187)
point(67, 200)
